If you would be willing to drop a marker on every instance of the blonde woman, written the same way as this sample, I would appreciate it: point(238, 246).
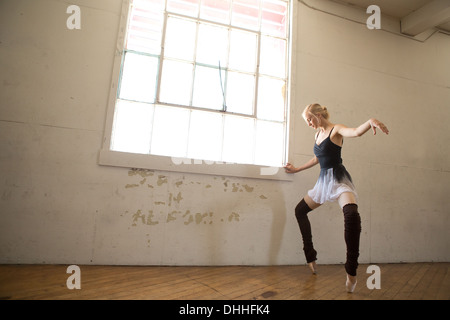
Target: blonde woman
point(334, 184)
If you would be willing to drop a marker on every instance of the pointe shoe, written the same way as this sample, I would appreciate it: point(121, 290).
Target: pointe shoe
point(349, 285)
point(313, 267)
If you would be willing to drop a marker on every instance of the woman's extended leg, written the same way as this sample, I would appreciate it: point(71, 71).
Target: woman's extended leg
point(301, 213)
point(352, 222)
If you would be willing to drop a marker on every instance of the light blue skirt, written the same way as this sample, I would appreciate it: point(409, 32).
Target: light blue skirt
point(329, 188)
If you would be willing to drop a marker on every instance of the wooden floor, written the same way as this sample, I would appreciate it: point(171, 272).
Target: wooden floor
point(418, 281)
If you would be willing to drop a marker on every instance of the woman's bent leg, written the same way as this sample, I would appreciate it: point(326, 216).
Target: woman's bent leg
point(301, 213)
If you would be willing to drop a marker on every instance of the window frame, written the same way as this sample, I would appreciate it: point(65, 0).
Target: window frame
point(108, 157)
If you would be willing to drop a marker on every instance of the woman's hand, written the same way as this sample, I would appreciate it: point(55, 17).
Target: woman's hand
point(289, 168)
point(374, 123)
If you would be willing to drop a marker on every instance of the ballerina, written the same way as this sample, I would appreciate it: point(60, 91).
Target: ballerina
point(334, 184)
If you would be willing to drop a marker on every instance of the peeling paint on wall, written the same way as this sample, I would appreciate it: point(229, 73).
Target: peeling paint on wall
point(164, 199)
point(178, 198)
point(138, 215)
point(141, 172)
point(233, 216)
point(161, 180)
point(187, 218)
point(150, 221)
point(172, 216)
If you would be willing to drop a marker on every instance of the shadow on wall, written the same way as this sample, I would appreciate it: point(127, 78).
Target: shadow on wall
point(279, 215)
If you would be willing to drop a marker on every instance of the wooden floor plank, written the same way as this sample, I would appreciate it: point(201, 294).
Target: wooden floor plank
point(436, 283)
point(399, 277)
point(408, 288)
point(414, 281)
point(444, 290)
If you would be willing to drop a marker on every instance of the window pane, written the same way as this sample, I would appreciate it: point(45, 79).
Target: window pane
point(269, 143)
point(139, 76)
point(149, 4)
point(145, 25)
point(271, 97)
point(212, 45)
point(245, 14)
point(215, 10)
point(132, 127)
point(180, 39)
point(170, 131)
point(238, 139)
point(240, 92)
point(207, 88)
point(176, 82)
point(242, 51)
point(205, 136)
point(186, 7)
point(273, 57)
point(274, 14)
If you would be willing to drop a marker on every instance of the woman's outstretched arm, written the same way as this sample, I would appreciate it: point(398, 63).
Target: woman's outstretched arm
point(359, 131)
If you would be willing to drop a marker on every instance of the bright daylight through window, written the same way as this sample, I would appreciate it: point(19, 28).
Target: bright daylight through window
point(204, 79)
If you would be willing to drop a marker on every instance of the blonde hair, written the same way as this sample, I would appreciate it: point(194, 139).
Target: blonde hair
point(315, 109)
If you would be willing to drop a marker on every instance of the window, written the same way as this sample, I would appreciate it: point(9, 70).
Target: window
point(203, 79)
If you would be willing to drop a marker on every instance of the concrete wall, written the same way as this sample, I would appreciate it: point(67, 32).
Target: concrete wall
point(57, 205)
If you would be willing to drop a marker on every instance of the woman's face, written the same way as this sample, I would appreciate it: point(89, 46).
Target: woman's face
point(311, 120)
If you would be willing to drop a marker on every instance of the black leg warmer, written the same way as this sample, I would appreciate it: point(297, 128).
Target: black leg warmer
point(301, 213)
point(352, 234)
